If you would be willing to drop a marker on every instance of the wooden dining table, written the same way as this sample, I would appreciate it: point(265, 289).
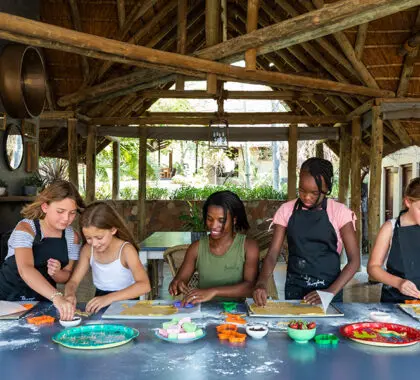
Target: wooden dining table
point(152, 249)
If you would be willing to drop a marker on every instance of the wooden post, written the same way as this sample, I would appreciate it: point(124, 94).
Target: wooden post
point(356, 185)
point(196, 157)
point(345, 156)
point(213, 18)
point(375, 176)
point(319, 150)
point(252, 24)
point(91, 164)
point(170, 161)
point(141, 205)
point(292, 162)
point(182, 37)
point(116, 170)
point(72, 151)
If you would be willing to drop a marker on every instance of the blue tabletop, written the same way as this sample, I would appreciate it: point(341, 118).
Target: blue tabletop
point(27, 352)
point(159, 241)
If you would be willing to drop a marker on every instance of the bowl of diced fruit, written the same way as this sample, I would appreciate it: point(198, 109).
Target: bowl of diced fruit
point(301, 331)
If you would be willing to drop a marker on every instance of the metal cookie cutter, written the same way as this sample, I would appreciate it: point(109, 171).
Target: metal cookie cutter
point(326, 339)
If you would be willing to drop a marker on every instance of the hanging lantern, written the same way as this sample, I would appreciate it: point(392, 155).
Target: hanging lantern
point(219, 134)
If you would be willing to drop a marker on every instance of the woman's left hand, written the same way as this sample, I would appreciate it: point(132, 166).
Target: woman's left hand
point(313, 298)
point(53, 267)
point(199, 295)
point(97, 303)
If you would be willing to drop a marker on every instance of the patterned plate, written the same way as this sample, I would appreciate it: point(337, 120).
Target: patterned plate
point(92, 337)
point(381, 334)
point(179, 341)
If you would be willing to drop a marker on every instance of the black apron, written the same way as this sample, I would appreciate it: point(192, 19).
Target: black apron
point(314, 263)
point(403, 260)
point(12, 287)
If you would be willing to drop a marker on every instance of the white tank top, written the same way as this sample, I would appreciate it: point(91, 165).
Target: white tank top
point(112, 276)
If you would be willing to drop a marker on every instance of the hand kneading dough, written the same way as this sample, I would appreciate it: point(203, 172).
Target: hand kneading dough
point(286, 308)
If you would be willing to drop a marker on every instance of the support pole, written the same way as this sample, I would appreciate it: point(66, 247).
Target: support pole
point(292, 162)
point(72, 151)
point(116, 170)
point(91, 164)
point(375, 176)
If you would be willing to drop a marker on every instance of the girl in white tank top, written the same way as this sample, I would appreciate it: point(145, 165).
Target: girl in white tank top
point(112, 253)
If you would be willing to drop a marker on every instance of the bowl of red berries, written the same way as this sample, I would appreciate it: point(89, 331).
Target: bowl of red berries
point(301, 331)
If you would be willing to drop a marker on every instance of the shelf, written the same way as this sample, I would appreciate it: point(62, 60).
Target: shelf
point(17, 198)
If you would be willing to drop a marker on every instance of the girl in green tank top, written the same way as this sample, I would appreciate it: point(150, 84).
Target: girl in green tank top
point(226, 260)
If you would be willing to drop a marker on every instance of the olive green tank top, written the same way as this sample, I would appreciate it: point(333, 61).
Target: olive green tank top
point(224, 270)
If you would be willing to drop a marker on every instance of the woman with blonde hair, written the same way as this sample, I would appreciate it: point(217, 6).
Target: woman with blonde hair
point(43, 247)
point(398, 244)
point(112, 253)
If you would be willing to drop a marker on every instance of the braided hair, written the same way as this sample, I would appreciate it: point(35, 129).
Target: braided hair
point(319, 168)
point(229, 202)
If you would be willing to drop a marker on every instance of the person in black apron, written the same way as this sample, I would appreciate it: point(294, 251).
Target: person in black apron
point(32, 272)
point(400, 240)
point(313, 261)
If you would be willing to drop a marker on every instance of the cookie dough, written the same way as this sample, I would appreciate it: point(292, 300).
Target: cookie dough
point(147, 308)
point(286, 308)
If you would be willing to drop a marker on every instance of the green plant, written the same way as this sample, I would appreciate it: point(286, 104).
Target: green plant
point(53, 169)
point(128, 193)
point(33, 180)
point(3, 183)
point(156, 193)
point(193, 221)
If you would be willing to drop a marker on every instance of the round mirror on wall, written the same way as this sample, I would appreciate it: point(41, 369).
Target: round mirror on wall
point(13, 146)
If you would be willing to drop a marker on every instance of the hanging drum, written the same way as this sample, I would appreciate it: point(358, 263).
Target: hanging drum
point(22, 81)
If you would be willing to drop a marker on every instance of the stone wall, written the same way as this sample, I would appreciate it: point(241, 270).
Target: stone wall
point(164, 215)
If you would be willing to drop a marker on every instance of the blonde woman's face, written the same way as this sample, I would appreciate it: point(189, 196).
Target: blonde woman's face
point(60, 214)
point(99, 239)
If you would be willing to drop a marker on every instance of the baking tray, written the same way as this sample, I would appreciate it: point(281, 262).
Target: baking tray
point(20, 314)
point(332, 311)
point(409, 309)
point(114, 310)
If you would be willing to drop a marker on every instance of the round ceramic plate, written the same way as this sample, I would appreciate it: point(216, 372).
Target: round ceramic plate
point(381, 334)
point(179, 341)
point(93, 337)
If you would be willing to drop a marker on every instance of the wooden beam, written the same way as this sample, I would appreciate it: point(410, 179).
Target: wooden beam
point(360, 40)
point(73, 151)
point(331, 18)
point(138, 11)
point(345, 164)
point(56, 115)
point(198, 94)
point(365, 107)
point(121, 13)
point(375, 177)
point(116, 170)
point(235, 133)
point(319, 150)
point(141, 205)
point(244, 118)
point(77, 24)
point(41, 35)
point(182, 37)
point(251, 25)
point(91, 164)
point(292, 162)
point(356, 185)
point(409, 60)
point(213, 22)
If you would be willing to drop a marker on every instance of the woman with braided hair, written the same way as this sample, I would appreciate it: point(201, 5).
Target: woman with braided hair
point(316, 228)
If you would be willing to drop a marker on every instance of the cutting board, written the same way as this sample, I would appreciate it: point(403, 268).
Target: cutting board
point(115, 309)
point(409, 309)
point(19, 314)
point(332, 311)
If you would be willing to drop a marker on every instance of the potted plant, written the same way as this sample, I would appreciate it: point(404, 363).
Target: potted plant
point(193, 221)
point(32, 184)
point(3, 187)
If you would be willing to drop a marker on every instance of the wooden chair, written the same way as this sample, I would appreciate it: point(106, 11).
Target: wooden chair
point(174, 256)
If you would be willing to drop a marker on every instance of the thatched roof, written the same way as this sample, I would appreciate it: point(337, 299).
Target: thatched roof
point(377, 60)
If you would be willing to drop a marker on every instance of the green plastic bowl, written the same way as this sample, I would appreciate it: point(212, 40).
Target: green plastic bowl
point(301, 336)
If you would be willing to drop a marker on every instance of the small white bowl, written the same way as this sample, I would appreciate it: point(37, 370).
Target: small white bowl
point(74, 322)
point(379, 316)
point(257, 331)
